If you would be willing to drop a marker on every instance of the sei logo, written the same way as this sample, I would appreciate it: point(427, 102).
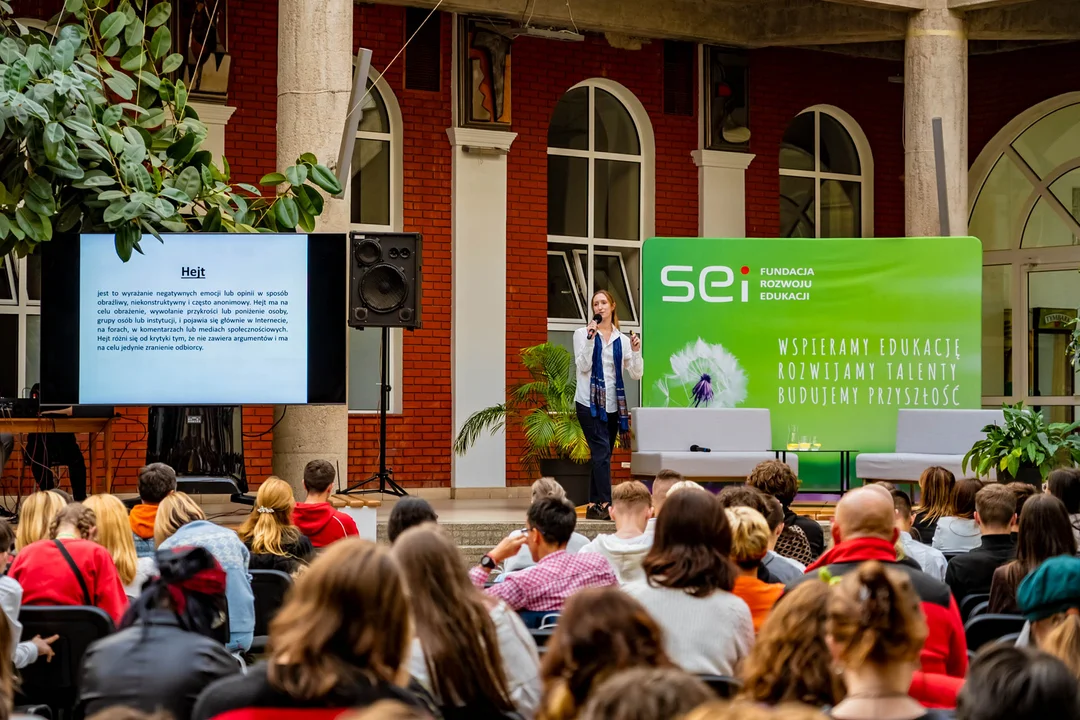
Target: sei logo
point(709, 279)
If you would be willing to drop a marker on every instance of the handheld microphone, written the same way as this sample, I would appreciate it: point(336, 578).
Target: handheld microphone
point(597, 318)
point(698, 448)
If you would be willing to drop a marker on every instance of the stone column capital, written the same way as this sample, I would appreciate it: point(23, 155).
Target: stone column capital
point(498, 140)
point(212, 113)
point(722, 159)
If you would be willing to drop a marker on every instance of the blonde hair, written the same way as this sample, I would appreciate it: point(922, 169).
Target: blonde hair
point(547, 487)
point(36, 517)
point(114, 533)
point(749, 536)
point(744, 710)
point(1062, 638)
point(611, 302)
point(935, 493)
point(683, 485)
point(346, 618)
point(174, 512)
point(270, 525)
point(632, 493)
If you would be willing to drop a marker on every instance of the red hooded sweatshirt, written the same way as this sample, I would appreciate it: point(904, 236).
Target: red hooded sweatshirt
point(945, 651)
point(322, 523)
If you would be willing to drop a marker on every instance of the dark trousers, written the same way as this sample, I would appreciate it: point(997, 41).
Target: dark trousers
point(601, 436)
point(43, 452)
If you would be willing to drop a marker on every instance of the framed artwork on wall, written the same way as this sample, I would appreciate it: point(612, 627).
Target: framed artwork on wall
point(726, 100)
point(484, 74)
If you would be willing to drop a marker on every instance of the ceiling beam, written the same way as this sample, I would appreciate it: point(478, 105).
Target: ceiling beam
point(965, 5)
point(902, 5)
point(816, 24)
point(1035, 20)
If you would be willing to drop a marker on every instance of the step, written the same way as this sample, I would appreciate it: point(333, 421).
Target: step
point(490, 534)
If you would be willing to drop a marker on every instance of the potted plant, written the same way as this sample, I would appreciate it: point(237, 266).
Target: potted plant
point(543, 407)
point(1026, 447)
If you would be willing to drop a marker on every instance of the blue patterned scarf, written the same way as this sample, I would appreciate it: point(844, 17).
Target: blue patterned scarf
point(598, 389)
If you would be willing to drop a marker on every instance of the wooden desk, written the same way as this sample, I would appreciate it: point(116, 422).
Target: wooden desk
point(60, 424)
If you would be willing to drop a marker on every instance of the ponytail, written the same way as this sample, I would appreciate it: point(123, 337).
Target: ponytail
point(1063, 642)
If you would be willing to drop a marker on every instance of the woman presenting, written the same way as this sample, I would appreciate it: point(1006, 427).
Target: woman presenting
point(601, 353)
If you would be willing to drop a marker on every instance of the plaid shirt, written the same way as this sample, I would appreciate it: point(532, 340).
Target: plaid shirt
point(544, 587)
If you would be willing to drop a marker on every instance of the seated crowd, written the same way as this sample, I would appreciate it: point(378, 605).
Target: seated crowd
point(700, 605)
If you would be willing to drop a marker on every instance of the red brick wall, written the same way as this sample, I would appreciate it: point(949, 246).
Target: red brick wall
point(783, 83)
point(251, 137)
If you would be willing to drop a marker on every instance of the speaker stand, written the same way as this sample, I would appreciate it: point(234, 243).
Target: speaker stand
point(385, 475)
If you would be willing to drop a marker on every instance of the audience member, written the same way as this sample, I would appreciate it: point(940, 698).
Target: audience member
point(865, 529)
point(156, 481)
point(875, 632)
point(602, 632)
point(11, 593)
point(36, 516)
point(935, 496)
point(1045, 532)
point(1064, 484)
point(647, 694)
point(316, 517)
point(691, 485)
point(70, 569)
point(388, 710)
point(545, 487)
point(1049, 598)
point(127, 713)
point(688, 586)
point(957, 531)
point(631, 509)
point(470, 651)
point(164, 654)
point(661, 486)
point(114, 534)
point(1015, 683)
point(995, 514)
point(742, 495)
point(269, 534)
point(786, 663)
point(784, 569)
point(743, 710)
point(557, 574)
point(776, 478)
point(930, 560)
point(409, 512)
point(1023, 492)
point(181, 523)
point(749, 543)
point(341, 640)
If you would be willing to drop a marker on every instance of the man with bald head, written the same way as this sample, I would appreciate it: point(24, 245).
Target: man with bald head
point(864, 530)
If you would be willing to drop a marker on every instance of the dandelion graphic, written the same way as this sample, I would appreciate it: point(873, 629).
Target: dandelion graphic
point(703, 375)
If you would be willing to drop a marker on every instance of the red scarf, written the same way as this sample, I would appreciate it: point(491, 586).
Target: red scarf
point(857, 550)
point(208, 582)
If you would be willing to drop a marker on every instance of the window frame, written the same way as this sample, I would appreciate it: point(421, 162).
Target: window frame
point(646, 157)
point(397, 221)
point(22, 307)
point(865, 178)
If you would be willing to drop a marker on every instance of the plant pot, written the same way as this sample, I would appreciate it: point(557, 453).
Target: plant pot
point(574, 478)
point(1026, 474)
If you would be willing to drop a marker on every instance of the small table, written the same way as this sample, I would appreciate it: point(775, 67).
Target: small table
point(845, 464)
point(91, 426)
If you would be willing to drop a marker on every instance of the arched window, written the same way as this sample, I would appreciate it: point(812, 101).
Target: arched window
point(600, 201)
point(826, 176)
point(1025, 208)
point(375, 192)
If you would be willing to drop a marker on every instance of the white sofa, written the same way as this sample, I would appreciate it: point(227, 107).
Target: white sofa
point(738, 438)
point(925, 438)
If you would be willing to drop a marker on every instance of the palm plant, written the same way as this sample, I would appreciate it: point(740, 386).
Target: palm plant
point(543, 407)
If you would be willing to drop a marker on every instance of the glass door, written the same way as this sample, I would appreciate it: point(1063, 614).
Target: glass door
point(1053, 300)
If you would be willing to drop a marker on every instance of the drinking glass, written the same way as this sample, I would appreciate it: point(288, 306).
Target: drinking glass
point(804, 443)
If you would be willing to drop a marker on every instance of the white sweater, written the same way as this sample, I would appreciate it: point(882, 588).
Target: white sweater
point(521, 662)
point(708, 635)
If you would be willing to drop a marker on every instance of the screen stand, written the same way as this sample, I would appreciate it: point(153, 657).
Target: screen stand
point(204, 445)
point(385, 475)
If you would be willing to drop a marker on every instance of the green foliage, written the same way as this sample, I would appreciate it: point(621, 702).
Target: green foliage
point(1025, 440)
point(543, 407)
point(96, 137)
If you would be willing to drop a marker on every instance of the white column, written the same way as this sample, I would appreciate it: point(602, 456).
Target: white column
point(935, 85)
point(215, 118)
point(721, 193)
point(478, 323)
point(314, 79)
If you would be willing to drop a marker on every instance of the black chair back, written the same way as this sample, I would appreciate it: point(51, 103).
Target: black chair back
point(541, 637)
point(969, 603)
point(985, 629)
point(269, 588)
point(725, 687)
point(56, 683)
point(980, 609)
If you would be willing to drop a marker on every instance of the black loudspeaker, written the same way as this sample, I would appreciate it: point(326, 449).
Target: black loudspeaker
point(384, 280)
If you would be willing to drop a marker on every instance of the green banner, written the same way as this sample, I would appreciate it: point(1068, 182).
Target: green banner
point(832, 335)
